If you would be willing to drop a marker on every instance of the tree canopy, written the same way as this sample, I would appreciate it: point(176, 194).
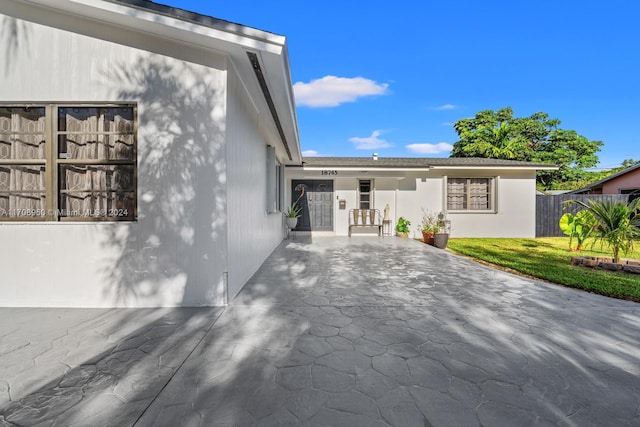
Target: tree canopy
point(537, 138)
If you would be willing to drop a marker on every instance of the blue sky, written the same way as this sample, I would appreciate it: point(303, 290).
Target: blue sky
point(393, 77)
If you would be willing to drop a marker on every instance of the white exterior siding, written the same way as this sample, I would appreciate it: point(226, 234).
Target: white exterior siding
point(253, 233)
point(175, 254)
point(516, 210)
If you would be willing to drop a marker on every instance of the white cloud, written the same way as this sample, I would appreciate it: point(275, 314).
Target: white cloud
point(310, 153)
point(370, 142)
point(331, 91)
point(440, 147)
point(445, 107)
point(447, 124)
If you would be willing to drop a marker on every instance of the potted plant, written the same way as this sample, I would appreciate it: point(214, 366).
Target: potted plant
point(428, 226)
point(292, 214)
point(402, 227)
point(441, 235)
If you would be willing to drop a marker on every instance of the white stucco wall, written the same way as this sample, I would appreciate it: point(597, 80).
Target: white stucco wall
point(516, 210)
point(253, 233)
point(176, 253)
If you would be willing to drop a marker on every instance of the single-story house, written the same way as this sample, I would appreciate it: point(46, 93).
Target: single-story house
point(480, 197)
point(626, 181)
point(142, 153)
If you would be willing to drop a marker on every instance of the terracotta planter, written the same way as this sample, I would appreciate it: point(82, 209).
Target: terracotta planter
point(427, 237)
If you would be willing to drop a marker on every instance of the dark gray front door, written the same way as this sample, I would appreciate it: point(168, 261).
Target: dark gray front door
point(316, 203)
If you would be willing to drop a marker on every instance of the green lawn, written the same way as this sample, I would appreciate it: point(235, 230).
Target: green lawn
point(549, 259)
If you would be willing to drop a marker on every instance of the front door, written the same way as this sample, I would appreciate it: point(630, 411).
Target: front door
point(315, 197)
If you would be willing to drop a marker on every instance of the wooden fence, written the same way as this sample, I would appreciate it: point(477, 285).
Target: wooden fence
point(549, 209)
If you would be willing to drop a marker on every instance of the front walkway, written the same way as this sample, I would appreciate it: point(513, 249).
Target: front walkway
point(364, 331)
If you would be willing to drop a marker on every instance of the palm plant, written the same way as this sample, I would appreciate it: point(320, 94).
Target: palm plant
point(618, 223)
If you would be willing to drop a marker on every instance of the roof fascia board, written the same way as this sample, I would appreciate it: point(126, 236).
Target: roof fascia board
point(364, 168)
point(515, 168)
point(165, 25)
point(422, 169)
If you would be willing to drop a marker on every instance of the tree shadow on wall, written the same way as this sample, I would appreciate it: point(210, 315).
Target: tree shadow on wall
point(179, 235)
point(15, 35)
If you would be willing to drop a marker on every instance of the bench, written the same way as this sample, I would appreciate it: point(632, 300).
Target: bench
point(365, 218)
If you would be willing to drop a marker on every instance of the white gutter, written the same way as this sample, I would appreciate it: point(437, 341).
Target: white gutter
point(359, 169)
point(515, 168)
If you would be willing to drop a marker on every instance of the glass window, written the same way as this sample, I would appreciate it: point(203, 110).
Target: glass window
point(89, 173)
point(471, 194)
point(365, 195)
point(22, 162)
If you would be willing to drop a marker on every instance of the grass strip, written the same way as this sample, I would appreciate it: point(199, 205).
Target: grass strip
point(549, 259)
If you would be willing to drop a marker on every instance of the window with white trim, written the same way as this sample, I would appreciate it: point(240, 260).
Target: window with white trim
point(470, 194)
point(62, 162)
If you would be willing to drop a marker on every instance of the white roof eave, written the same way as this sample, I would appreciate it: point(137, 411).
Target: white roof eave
point(358, 169)
point(515, 168)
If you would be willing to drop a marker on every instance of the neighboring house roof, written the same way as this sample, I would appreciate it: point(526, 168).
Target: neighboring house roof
point(418, 163)
point(555, 192)
point(260, 58)
point(599, 183)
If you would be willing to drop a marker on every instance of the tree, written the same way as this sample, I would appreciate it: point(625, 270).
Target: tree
point(537, 138)
point(628, 162)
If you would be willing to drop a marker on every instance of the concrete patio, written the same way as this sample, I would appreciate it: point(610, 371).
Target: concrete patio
point(335, 331)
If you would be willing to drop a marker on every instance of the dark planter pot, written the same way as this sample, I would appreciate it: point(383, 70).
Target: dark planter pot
point(440, 240)
point(427, 237)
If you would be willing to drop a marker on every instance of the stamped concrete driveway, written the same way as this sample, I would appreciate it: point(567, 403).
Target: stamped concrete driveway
point(337, 331)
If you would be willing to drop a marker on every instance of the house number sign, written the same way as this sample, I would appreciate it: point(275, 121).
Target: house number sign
point(328, 172)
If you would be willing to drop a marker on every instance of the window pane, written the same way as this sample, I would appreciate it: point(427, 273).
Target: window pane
point(456, 193)
point(96, 147)
point(96, 133)
point(22, 178)
point(97, 205)
point(78, 119)
point(479, 194)
point(469, 193)
point(456, 202)
point(96, 177)
point(22, 133)
point(22, 205)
